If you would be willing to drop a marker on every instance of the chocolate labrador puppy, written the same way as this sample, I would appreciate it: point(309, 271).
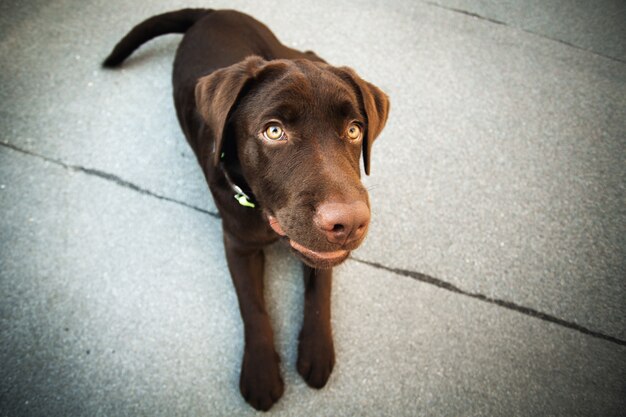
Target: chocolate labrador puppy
point(278, 134)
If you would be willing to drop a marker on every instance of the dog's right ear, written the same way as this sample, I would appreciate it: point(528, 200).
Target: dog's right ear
point(217, 93)
point(375, 104)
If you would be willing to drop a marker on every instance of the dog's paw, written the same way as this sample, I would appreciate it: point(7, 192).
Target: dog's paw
point(260, 382)
point(316, 359)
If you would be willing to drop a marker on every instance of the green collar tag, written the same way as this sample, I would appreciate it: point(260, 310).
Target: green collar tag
point(241, 197)
point(244, 200)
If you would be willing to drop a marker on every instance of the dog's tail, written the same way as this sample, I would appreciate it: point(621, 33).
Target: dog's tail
point(172, 22)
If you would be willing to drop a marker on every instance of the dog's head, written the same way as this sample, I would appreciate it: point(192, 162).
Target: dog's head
point(296, 129)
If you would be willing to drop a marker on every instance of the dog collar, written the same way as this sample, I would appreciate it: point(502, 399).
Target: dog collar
point(241, 197)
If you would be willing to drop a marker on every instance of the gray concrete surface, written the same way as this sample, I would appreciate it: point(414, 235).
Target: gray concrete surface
point(596, 26)
point(492, 281)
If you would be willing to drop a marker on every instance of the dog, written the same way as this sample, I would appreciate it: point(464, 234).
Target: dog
point(278, 134)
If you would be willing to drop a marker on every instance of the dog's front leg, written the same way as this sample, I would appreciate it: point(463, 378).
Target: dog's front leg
point(316, 354)
point(260, 382)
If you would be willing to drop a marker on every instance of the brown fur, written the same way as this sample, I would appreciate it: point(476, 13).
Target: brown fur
point(231, 78)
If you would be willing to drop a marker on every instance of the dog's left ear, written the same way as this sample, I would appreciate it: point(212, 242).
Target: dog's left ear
point(376, 105)
point(217, 93)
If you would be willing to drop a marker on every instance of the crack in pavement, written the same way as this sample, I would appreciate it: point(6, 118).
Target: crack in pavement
point(499, 302)
point(411, 274)
point(541, 35)
point(109, 177)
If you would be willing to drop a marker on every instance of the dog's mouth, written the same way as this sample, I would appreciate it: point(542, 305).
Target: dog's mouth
point(313, 258)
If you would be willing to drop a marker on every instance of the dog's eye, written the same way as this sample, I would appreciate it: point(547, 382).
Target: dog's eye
point(274, 132)
point(353, 132)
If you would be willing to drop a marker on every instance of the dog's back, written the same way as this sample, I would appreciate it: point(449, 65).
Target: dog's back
point(225, 37)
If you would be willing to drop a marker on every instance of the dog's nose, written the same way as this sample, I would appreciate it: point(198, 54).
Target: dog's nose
point(343, 222)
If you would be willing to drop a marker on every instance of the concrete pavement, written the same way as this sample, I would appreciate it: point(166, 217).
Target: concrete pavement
point(492, 280)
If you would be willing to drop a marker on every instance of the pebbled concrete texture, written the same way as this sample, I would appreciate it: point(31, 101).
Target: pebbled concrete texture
point(501, 172)
point(150, 326)
point(512, 179)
